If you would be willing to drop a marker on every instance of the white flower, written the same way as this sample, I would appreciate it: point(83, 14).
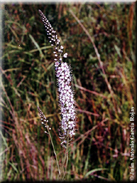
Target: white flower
point(56, 63)
point(65, 55)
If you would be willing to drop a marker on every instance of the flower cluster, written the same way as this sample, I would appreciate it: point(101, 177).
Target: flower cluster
point(44, 121)
point(53, 39)
point(63, 75)
point(66, 100)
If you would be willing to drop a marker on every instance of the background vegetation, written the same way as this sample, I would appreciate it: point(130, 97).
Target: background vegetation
point(104, 90)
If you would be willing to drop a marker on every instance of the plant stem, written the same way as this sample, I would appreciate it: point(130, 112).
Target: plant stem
point(54, 151)
point(66, 155)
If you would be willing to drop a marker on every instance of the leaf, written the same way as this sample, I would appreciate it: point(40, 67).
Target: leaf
point(93, 171)
point(13, 166)
point(36, 44)
point(117, 50)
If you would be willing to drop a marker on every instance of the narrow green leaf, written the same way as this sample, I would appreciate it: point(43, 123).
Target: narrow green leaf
point(93, 171)
point(36, 44)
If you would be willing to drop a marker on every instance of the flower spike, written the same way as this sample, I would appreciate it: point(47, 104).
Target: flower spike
point(63, 74)
point(44, 121)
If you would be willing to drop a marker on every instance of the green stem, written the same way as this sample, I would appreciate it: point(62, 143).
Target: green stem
point(54, 151)
point(66, 156)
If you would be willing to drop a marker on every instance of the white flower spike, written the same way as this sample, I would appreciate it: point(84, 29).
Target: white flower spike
point(63, 74)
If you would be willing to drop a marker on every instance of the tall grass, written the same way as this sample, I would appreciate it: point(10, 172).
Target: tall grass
point(100, 42)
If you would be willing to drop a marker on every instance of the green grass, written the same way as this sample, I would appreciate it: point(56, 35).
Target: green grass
point(104, 90)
